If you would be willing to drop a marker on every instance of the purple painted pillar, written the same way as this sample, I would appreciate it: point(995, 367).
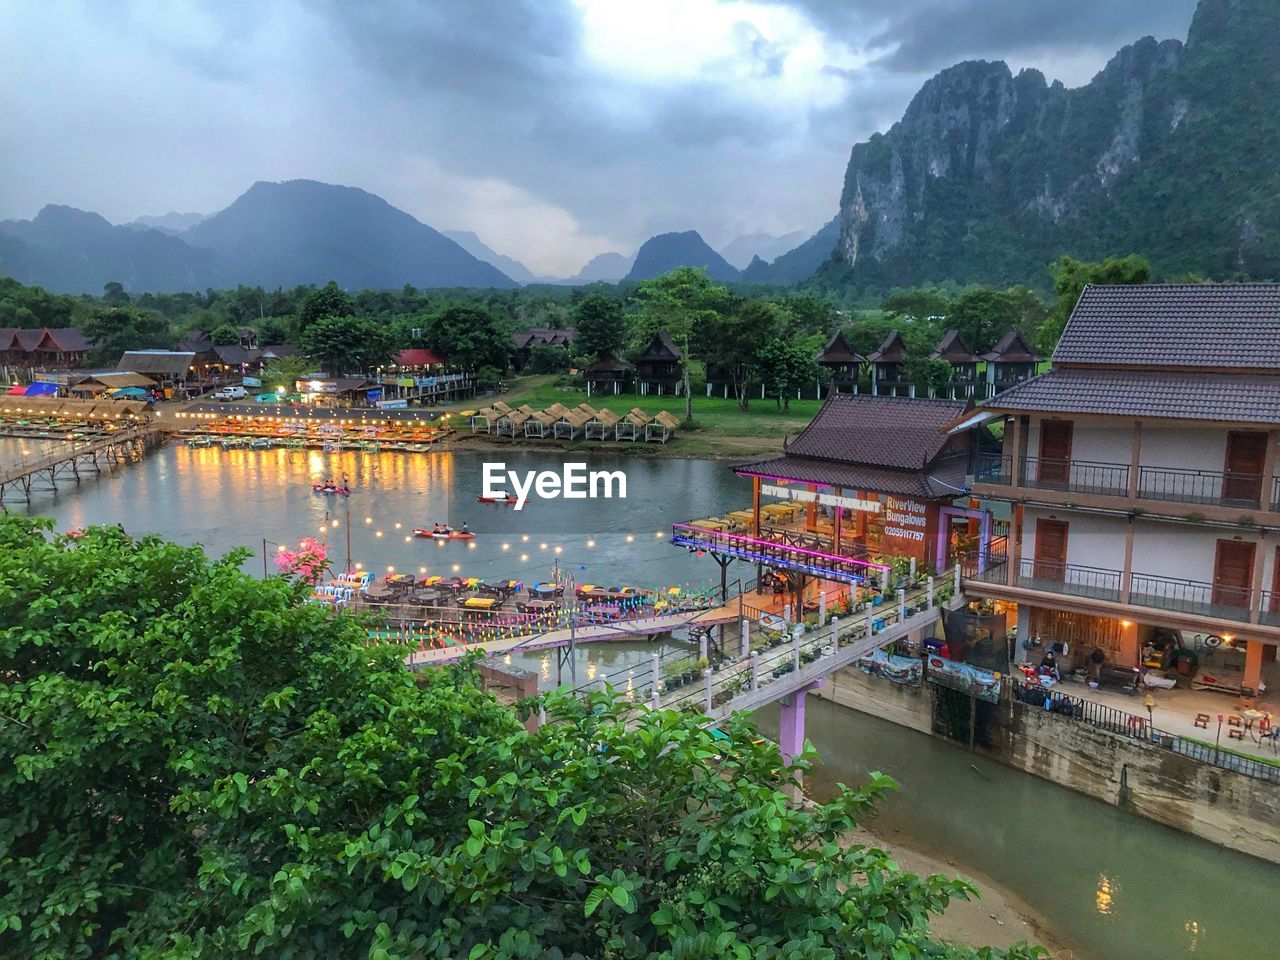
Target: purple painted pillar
point(791, 722)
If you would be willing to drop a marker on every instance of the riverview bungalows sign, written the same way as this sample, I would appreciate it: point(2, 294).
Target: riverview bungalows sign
point(909, 528)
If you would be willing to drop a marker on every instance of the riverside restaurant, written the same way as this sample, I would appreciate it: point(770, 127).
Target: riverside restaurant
point(872, 493)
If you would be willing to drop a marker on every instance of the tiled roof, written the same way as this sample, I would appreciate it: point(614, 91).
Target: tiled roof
point(838, 350)
point(608, 364)
point(1175, 325)
point(164, 362)
point(893, 350)
point(417, 357)
point(661, 348)
point(1241, 398)
point(904, 433)
point(945, 480)
point(953, 349)
point(68, 339)
point(233, 353)
point(1011, 349)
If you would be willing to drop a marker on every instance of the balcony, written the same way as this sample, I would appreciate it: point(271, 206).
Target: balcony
point(783, 549)
point(1159, 484)
point(1145, 590)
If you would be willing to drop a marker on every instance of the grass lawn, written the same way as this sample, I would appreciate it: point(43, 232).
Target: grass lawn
point(719, 427)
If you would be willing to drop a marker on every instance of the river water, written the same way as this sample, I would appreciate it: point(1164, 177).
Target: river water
point(1113, 886)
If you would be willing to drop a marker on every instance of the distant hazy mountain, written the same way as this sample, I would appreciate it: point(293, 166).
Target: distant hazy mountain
point(302, 231)
point(800, 263)
point(513, 268)
point(171, 222)
point(667, 251)
point(765, 246)
point(72, 251)
point(603, 268)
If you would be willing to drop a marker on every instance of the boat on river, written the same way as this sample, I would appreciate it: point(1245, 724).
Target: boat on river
point(443, 534)
point(508, 500)
point(330, 488)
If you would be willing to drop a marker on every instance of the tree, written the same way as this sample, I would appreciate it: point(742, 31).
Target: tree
point(329, 301)
point(786, 365)
point(195, 763)
point(349, 344)
point(285, 372)
point(1069, 280)
point(117, 330)
point(919, 305)
point(273, 331)
point(731, 341)
point(600, 326)
point(548, 358)
point(114, 295)
point(468, 338)
point(224, 334)
point(678, 302)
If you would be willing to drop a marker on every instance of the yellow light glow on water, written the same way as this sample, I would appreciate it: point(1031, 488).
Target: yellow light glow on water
point(471, 545)
point(407, 538)
point(359, 566)
point(391, 569)
point(397, 525)
point(1105, 898)
point(335, 523)
point(659, 534)
point(368, 519)
point(559, 549)
point(542, 546)
point(422, 569)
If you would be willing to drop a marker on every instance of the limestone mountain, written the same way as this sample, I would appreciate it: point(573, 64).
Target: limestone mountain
point(740, 251)
point(667, 251)
point(603, 268)
point(799, 263)
point(73, 251)
point(1169, 151)
point(303, 231)
point(513, 268)
point(171, 222)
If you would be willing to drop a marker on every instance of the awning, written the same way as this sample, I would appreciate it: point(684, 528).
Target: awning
point(976, 420)
point(16, 390)
point(127, 392)
point(41, 389)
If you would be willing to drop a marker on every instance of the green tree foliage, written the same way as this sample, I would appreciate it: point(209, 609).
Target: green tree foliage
point(679, 302)
point(286, 372)
point(786, 366)
point(114, 295)
point(468, 337)
point(548, 358)
point(329, 301)
point(918, 305)
point(115, 330)
point(1069, 280)
point(23, 306)
point(732, 342)
point(349, 344)
point(224, 335)
point(274, 330)
point(195, 764)
point(809, 314)
point(600, 326)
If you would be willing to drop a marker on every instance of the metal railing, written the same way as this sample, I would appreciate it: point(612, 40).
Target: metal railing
point(994, 468)
point(1136, 727)
point(1275, 493)
point(1190, 596)
point(1269, 612)
point(1200, 486)
point(1069, 578)
point(1076, 476)
point(768, 551)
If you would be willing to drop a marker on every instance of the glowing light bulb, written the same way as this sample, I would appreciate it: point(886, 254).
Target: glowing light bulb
point(558, 549)
point(422, 569)
point(391, 569)
point(524, 538)
point(542, 546)
point(591, 543)
point(378, 534)
point(524, 557)
point(631, 538)
point(368, 519)
point(506, 546)
point(456, 568)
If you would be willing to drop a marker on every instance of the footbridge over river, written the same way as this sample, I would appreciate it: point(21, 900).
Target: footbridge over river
point(74, 460)
point(768, 660)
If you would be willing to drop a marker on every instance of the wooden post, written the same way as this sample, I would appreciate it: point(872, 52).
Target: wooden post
point(1126, 574)
point(755, 507)
point(1014, 451)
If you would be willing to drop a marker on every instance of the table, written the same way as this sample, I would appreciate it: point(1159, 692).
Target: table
point(782, 511)
point(743, 518)
point(710, 524)
point(480, 603)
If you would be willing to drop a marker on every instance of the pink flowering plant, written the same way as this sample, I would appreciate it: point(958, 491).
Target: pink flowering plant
point(308, 563)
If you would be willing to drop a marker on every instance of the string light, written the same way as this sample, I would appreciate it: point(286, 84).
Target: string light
point(631, 538)
point(524, 538)
point(591, 543)
point(506, 546)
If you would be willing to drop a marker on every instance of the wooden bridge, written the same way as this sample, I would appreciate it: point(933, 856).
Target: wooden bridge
point(74, 461)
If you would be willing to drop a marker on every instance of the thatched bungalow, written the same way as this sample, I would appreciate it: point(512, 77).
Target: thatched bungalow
point(631, 427)
point(484, 420)
point(661, 427)
point(541, 423)
point(601, 426)
point(512, 421)
point(571, 425)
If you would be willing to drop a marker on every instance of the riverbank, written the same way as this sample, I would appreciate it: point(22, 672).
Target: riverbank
point(998, 918)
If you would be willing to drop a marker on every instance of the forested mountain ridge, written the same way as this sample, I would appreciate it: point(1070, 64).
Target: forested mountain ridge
point(666, 251)
point(1169, 151)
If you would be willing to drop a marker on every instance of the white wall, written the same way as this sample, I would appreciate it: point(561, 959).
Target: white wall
point(1092, 540)
point(1100, 441)
point(1189, 448)
point(1176, 550)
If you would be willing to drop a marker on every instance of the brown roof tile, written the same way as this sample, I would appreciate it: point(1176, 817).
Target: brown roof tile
point(945, 480)
point(953, 349)
point(1240, 398)
point(893, 350)
point(838, 350)
point(1011, 349)
point(1178, 325)
point(904, 433)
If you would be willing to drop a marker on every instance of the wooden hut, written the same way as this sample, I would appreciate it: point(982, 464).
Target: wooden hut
point(608, 375)
point(586, 408)
point(1010, 361)
point(952, 350)
point(571, 425)
point(843, 362)
point(661, 427)
point(631, 427)
point(601, 426)
point(540, 424)
point(556, 409)
point(484, 420)
point(513, 421)
point(658, 366)
point(888, 374)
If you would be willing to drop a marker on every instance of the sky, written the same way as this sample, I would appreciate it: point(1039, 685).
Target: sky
point(555, 129)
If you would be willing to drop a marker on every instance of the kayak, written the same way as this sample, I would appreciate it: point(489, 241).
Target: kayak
point(321, 488)
point(444, 534)
point(484, 499)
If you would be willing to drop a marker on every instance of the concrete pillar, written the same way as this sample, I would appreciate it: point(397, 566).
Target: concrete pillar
point(655, 680)
point(1253, 664)
point(755, 670)
point(929, 592)
point(702, 647)
point(746, 637)
point(795, 649)
point(791, 722)
point(902, 605)
point(706, 689)
point(957, 579)
point(1024, 620)
point(835, 632)
point(822, 604)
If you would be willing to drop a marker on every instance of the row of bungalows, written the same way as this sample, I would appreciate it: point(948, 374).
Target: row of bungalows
point(571, 423)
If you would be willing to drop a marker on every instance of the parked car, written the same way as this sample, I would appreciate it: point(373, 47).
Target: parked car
point(229, 393)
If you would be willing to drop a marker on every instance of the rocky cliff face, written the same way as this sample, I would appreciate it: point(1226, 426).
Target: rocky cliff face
point(989, 176)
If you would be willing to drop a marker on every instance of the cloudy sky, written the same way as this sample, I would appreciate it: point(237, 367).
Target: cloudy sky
point(556, 129)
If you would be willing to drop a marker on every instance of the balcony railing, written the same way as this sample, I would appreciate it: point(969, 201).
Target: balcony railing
point(1190, 596)
point(1077, 476)
point(1069, 578)
point(1200, 486)
point(786, 552)
point(1170, 484)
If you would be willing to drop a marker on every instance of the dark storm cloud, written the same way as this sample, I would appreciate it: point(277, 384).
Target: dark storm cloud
point(511, 118)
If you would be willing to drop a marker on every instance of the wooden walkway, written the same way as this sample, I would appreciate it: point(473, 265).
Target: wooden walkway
point(76, 460)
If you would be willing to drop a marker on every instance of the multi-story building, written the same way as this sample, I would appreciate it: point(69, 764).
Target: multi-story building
point(1142, 475)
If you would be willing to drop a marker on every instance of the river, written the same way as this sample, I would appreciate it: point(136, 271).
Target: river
point(1113, 886)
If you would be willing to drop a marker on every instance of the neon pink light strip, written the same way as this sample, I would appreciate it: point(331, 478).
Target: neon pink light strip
point(769, 476)
point(773, 543)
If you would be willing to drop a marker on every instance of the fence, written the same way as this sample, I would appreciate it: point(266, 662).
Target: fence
point(1135, 727)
